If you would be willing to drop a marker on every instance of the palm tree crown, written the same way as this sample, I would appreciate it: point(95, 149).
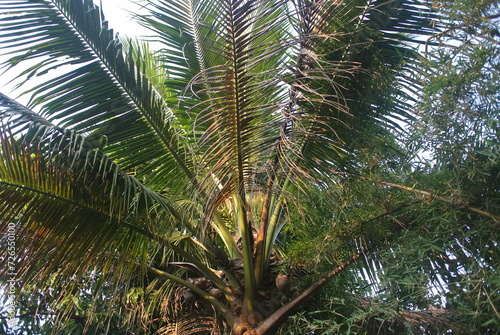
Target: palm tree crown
point(176, 172)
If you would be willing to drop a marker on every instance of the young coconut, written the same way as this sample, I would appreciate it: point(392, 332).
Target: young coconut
point(216, 293)
point(283, 283)
point(189, 296)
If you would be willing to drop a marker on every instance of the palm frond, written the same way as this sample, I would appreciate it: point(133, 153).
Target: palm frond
point(371, 42)
point(58, 190)
point(225, 44)
point(76, 213)
point(103, 94)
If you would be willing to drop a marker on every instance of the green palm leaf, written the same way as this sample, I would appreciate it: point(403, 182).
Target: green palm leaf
point(58, 192)
point(120, 105)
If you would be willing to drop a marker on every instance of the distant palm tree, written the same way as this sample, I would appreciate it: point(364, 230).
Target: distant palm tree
point(175, 169)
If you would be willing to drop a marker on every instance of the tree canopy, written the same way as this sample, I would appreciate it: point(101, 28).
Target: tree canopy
point(283, 166)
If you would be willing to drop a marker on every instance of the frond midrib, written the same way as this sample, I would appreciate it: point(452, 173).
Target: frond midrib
point(111, 73)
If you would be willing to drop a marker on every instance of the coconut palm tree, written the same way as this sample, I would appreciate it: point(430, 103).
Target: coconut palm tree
point(171, 175)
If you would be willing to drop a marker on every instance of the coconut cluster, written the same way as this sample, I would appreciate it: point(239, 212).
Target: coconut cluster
point(204, 284)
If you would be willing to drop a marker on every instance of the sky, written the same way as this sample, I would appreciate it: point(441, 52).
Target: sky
point(117, 12)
